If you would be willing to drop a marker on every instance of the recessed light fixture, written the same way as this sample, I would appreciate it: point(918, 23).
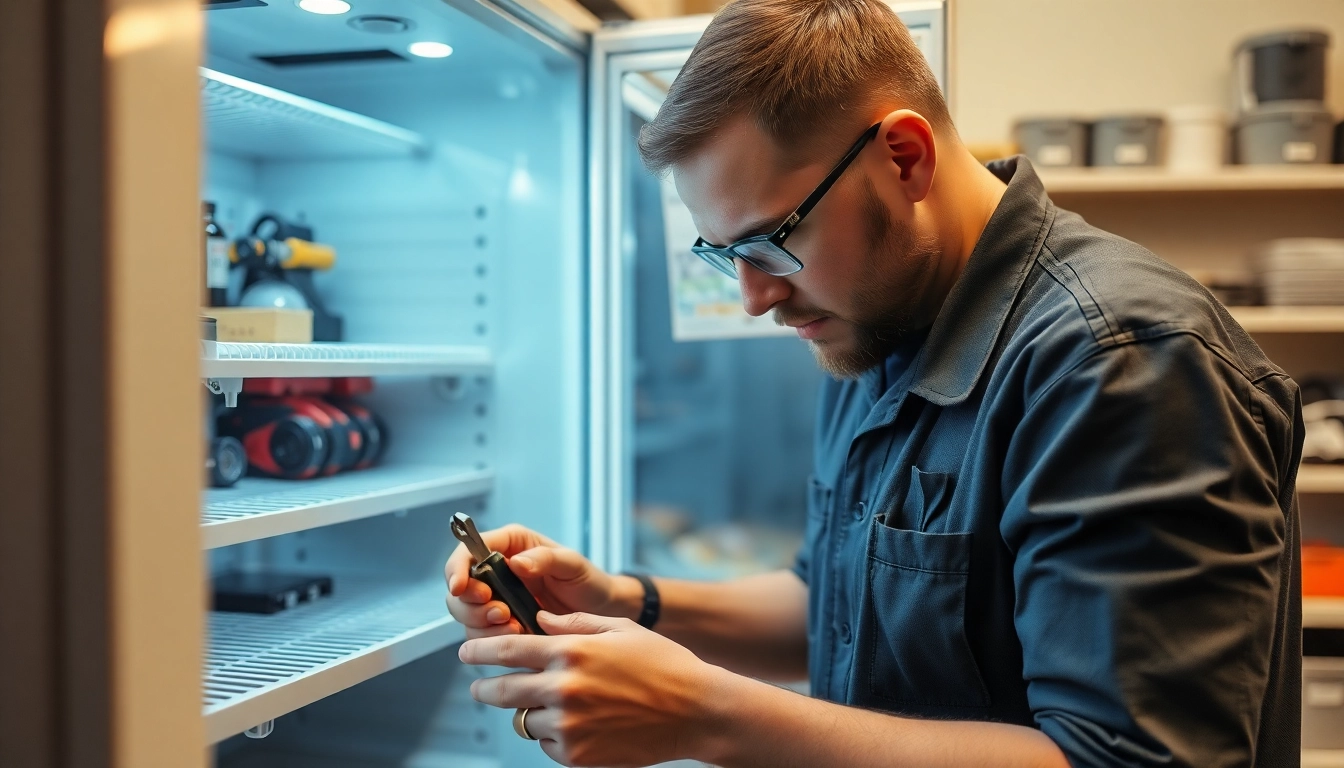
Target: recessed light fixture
point(325, 7)
point(430, 50)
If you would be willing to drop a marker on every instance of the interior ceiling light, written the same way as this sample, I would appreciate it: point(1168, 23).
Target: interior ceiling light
point(325, 7)
point(430, 50)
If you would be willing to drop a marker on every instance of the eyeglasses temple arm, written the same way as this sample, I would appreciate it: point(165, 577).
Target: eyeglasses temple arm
point(826, 183)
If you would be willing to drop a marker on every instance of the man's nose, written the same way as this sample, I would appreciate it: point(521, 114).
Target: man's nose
point(760, 291)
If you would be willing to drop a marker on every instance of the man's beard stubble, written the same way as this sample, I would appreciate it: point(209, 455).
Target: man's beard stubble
point(896, 269)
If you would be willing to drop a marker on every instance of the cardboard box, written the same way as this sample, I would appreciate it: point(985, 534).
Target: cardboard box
point(253, 324)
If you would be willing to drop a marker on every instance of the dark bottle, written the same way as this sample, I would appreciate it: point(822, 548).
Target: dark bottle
point(216, 259)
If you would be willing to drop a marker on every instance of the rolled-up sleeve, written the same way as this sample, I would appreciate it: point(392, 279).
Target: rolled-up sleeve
point(1143, 513)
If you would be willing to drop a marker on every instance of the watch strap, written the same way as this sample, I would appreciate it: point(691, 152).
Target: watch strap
point(653, 606)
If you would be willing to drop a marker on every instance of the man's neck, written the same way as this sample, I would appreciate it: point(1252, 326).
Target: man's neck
point(969, 194)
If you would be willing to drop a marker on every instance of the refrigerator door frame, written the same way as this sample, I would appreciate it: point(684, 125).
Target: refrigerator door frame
point(616, 50)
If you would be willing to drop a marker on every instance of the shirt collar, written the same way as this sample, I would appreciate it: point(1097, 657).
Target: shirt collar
point(968, 325)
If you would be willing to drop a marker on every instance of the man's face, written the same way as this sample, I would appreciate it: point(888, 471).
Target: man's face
point(866, 268)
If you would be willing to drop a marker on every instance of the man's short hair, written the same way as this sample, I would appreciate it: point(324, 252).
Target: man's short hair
point(804, 70)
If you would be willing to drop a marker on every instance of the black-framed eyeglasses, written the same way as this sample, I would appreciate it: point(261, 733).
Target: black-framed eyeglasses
point(767, 252)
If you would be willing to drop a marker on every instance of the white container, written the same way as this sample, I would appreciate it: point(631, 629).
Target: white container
point(1196, 139)
point(1322, 702)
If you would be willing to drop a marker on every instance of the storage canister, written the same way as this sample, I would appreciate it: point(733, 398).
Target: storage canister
point(1053, 142)
point(1293, 132)
point(1281, 66)
point(1126, 140)
point(1196, 138)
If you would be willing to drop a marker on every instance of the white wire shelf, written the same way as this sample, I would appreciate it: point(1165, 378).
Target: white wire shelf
point(1235, 178)
point(255, 121)
point(258, 508)
point(261, 667)
point(226, 359)
point(1290, 319)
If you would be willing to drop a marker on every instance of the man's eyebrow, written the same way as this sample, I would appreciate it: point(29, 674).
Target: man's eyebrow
point(761, 226)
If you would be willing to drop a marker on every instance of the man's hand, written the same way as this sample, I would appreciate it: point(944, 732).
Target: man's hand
point(602, 691)
point(562, 580)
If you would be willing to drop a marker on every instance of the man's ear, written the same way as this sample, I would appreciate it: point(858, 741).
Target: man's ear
point(907, 138)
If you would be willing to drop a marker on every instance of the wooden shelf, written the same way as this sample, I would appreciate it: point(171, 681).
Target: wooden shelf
point(1323, 758)
point(1237, 178)
point(1290, 319)
point(1323, 612)
point(1320, 478)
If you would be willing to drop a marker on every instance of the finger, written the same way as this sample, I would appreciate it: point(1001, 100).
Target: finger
point(581, 623)
point(553, 749)
point(516, 690)
point(499, 630)
point(477, 592)
point(513, 539)
point(544, 722)
point(558, 563)
point(479, 616)
point(508, 540)
point(457, 570)
point(517, 651)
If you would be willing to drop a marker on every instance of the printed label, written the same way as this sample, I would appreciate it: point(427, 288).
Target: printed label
point(216, 263)
point(1131, 154)
point(1055, 154)
point(1325, 694)
point(1299, 152)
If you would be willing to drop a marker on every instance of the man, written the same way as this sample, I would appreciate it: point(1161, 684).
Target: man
point(1053, 520)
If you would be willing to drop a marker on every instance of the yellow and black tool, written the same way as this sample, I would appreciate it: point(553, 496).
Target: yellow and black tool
point(279, 258)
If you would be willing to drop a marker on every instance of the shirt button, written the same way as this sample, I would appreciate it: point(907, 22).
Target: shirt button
point(844, 633)
point(859, 509)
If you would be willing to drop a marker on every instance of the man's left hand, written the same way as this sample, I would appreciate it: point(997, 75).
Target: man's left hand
point(601, 691)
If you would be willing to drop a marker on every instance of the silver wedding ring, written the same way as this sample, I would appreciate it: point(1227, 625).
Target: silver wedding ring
point(520, 724)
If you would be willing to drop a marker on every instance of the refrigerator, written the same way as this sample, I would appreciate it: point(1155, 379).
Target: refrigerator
point(506, 275)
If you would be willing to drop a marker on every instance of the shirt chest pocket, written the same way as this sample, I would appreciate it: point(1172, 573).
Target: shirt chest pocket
point(912, 648)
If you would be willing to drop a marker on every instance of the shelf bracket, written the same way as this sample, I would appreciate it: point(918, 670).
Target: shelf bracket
point(260, 731)
point(229, 388)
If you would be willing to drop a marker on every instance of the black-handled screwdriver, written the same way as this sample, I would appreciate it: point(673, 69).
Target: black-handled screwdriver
point(491, 569)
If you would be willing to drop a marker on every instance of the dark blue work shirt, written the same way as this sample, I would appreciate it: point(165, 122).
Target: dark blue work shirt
point(1071, 507)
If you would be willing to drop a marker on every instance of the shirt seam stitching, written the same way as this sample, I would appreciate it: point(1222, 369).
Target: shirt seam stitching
point(1141, 336)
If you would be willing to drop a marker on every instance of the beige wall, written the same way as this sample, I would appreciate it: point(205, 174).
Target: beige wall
point(1019, 57)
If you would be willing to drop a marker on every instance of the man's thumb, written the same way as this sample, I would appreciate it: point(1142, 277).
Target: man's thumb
point(576, 623)
point(552, 562)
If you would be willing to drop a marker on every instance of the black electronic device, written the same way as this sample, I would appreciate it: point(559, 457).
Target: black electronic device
point(370, 426)
point(281, 439)
point(492, 569)
point(265, 592)
point(226, 462)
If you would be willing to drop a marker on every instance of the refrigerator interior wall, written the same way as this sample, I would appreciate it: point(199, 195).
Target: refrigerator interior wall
point(475, 242)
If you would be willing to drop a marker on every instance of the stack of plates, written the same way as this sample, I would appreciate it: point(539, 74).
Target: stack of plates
point(1302, 271)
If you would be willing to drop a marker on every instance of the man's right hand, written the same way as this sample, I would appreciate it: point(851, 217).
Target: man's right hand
point(562, 580)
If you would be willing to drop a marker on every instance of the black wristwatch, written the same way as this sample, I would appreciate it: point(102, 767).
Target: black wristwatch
point(653, 605)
